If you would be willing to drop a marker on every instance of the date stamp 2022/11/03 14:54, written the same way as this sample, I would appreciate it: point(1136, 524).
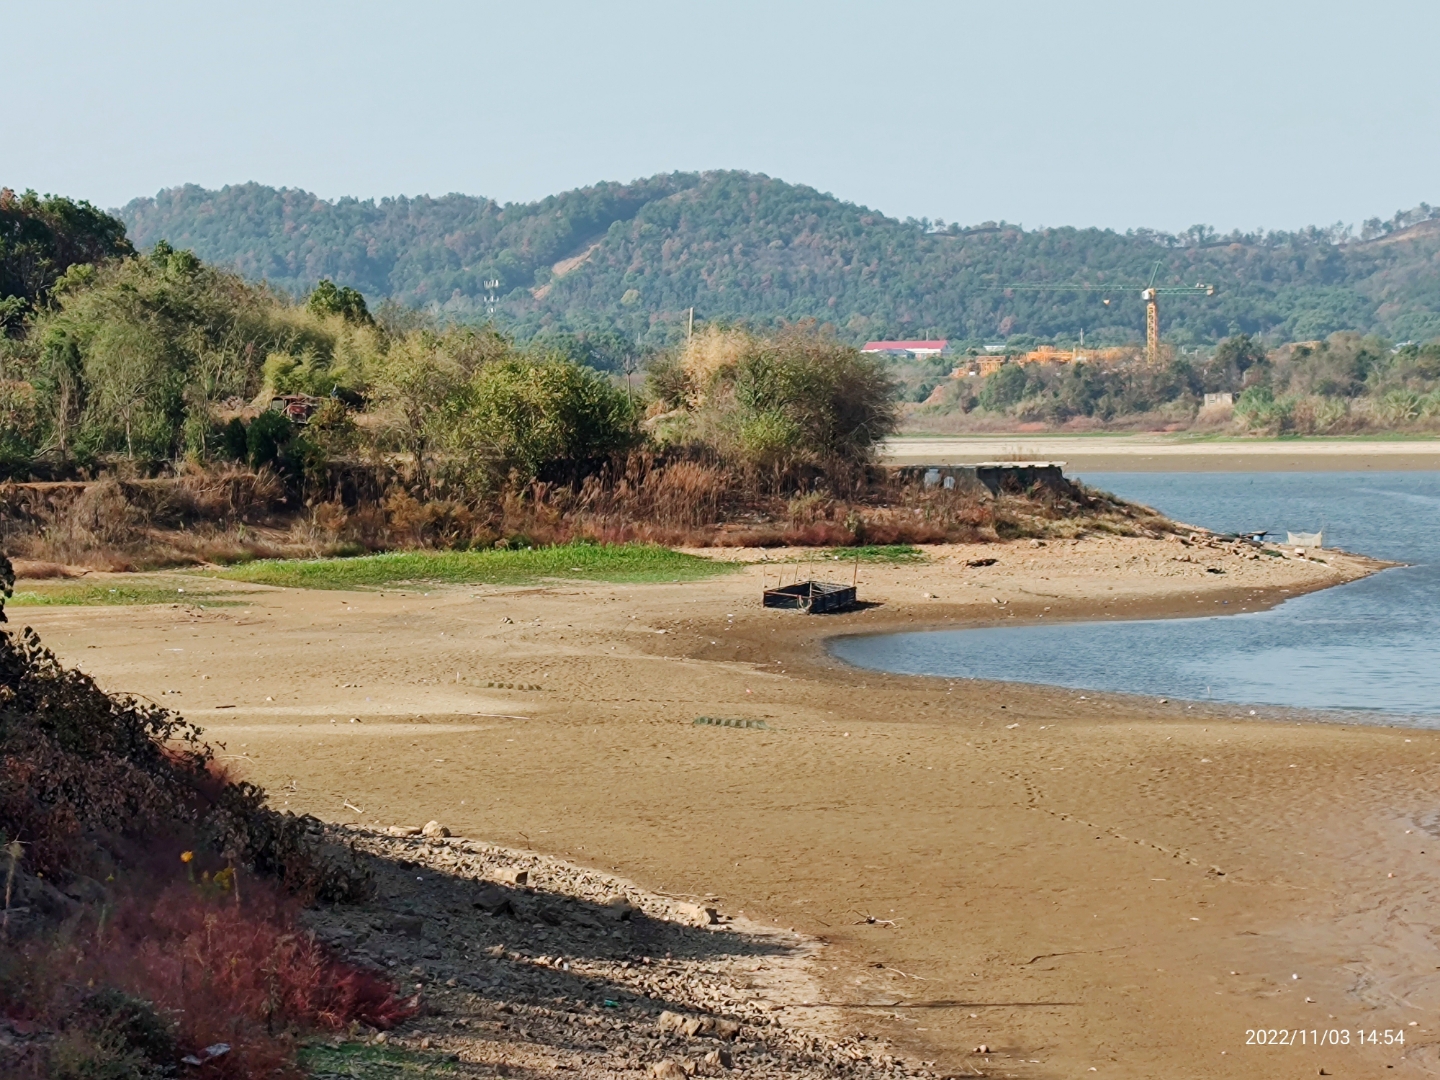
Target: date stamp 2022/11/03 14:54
point(1325, 1036)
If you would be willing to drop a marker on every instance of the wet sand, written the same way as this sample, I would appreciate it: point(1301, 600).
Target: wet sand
point(1170, 453)
point(1076, 881)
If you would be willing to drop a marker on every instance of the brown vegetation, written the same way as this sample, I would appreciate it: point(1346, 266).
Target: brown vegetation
point(149, 900)
point(679, 499)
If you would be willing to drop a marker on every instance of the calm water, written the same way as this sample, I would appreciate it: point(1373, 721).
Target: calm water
point(1372, 646)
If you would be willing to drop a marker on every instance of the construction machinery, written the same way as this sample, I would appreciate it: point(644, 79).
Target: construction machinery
point(1149, 292)
point(1150, 295)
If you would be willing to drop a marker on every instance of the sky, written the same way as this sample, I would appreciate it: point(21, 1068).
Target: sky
point(1231, 114)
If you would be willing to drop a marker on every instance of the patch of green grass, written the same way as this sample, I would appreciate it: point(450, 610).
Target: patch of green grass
point(878, 553)
point(584, 562)
point(362, 1061)
point(97, 595)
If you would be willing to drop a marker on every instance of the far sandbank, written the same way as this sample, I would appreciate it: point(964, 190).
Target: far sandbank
point(1153, 452)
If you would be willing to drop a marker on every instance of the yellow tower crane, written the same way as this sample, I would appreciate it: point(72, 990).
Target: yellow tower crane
point(1149, 292)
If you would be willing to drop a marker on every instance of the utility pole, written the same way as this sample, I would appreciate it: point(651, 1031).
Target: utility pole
point(690, 332)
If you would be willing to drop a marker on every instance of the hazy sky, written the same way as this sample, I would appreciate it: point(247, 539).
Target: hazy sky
point(1275, 114)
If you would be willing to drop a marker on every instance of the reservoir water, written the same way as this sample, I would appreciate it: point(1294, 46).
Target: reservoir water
point(1370, 648)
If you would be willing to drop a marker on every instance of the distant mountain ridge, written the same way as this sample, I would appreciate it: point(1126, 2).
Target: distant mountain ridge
point(635, 257)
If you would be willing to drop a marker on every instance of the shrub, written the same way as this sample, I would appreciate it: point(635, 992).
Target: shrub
point(96, 783)
point(776, 405)
point(20, 425)
point(129, 1028)
point(825, 402)
point(541, 417)
point(328, 299)
point(267, 438)
point(78, 766)
point(176, 967)
point(1004, 388)
point(1259, 408)
point(234, 442)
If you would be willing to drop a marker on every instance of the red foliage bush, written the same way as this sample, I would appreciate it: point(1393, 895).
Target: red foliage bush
point(223, 964)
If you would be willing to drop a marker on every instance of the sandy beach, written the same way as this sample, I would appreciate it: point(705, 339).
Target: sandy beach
point(1076, 881)
point(1169, 453)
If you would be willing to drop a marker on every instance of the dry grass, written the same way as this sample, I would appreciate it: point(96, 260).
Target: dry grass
point(119, 524)
point(682, 500)
point(32, 570)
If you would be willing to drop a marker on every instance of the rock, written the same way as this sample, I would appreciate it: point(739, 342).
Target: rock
point(403, 830)
point(34, 892)
point(493, 901)
point(669, 1069)
point(618, 908)
point(691, 1026)
point(495, 951)
point(550, 914)
point(513, 877)
point(434, 830)
point(698, 914)
point(214, 1050)
point(581, 917)
point(719, 1059)
point(409, 925)
point(86, 890)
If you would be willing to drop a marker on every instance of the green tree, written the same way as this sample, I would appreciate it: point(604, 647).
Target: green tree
point(134, 355)
point(414, 388)
point(805, 396)
point(1234, 357)
point(328, 299)
point(1004, 388)
point(267, 438)
point(541, 417)
point(42, 238)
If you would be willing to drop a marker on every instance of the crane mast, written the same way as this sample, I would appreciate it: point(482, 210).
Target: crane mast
point(1151, 295)
point(1152, 328)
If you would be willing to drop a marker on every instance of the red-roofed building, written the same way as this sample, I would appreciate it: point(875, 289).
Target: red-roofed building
point(912, 349)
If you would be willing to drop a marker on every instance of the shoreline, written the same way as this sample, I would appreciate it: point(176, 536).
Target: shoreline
point(1163, 611)
point(1020, 848)
point(1151, 452)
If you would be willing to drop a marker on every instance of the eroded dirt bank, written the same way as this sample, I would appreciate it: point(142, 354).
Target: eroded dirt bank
point(1106, 882)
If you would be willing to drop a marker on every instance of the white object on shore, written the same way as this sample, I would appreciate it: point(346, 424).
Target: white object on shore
point(1306, 540)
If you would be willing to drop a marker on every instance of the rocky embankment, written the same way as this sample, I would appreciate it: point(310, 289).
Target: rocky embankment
point(526, 964)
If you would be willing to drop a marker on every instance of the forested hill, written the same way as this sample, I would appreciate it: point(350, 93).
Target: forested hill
point(634, 257)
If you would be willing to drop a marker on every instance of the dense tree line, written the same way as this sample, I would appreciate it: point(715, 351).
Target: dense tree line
point(161, 358)
point(634, 258)
point(1345, 383)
